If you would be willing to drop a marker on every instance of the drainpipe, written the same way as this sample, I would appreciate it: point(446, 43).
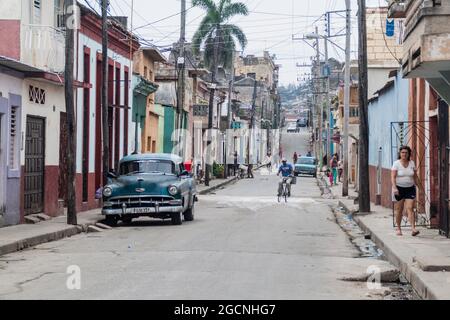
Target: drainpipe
point(136, 135)
point(378, 197)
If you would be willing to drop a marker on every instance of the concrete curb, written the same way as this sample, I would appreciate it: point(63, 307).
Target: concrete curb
point(39, 239)
point(422, 289)
point(419, 285)
point(211, 189)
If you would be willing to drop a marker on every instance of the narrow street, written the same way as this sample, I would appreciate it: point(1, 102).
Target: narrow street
point(243, 244)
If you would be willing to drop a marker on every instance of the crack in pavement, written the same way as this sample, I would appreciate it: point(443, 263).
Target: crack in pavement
point(19, 285)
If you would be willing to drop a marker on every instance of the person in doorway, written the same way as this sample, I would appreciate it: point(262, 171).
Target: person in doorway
point(295, 157)
point(404, 181)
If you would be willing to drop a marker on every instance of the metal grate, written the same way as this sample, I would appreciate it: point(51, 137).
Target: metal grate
point(13, 139)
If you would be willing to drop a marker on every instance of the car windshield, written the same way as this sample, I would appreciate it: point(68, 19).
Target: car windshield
point(306, 161)
point(147, 166)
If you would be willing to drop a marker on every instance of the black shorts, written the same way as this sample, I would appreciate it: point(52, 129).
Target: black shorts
point(406, 193)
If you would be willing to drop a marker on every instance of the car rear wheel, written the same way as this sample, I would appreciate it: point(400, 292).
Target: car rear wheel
point(189, 214)
point(176, 219)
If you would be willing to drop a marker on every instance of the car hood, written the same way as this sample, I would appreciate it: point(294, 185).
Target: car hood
point(150, 183)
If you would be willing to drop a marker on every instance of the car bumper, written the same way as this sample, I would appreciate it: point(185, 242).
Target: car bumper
point(142, 210)
point(305, 172)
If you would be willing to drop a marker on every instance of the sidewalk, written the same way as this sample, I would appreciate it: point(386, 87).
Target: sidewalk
point(23, 236)
point(424, 260)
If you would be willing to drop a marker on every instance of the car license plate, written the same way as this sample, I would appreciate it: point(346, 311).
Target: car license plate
point(140, 210)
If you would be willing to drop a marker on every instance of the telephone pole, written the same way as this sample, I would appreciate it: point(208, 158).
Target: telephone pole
point(230, 92)
point(363, 154)
point(212, 93)
point(346, 98)
point(105, 103)
point(327, 100)
point(319, 100)
point(71, 136)
point(182, 64)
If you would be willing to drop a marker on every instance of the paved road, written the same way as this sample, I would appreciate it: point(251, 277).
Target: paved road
point(242, 245)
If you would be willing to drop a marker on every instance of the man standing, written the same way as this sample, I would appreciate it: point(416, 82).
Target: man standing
point(236, 165)
point(295, 157)
point(286, 171)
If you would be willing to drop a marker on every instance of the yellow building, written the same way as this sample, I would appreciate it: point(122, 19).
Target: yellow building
point(144, 65)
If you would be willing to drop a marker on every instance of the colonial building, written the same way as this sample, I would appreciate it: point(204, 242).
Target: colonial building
point(32, 50)
point(152, 116)
point(121, 47)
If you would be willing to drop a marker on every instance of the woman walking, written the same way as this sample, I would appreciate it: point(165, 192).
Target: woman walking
point(404, 182)
point(334, 170)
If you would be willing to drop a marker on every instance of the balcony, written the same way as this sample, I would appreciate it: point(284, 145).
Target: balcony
point(426, 38)
point(43, 47)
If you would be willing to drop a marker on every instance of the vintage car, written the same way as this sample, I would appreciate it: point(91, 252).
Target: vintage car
point(306, 165)
point(153, 185)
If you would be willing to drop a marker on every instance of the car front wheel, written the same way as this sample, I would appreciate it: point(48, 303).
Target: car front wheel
point(189, 214)
point(176, 219)
point(111, 221)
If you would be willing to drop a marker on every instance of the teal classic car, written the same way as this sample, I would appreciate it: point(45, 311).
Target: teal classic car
point(306, 165)
point(153, 185)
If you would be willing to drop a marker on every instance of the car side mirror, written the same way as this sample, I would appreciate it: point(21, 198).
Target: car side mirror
point(184, 173)
point(112, 175)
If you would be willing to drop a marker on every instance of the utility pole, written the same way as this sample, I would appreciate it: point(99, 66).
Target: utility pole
point(105, 103)
point(363, 154)
point(346, 97)
point(71, 135)
point(230, 92)
point(327, 100)
point(212, 93)
point(252, 121)
point(319, 101)
point(182, 64)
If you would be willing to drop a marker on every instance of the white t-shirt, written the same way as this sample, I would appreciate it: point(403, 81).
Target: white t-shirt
point(405, 176)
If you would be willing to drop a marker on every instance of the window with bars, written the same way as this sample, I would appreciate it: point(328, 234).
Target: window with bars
point(13, 158)
point(36, 6)
point(354, 112)
point(36, 95)
point(59, 14)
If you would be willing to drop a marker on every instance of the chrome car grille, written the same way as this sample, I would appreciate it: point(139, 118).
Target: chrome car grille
point(137, 202)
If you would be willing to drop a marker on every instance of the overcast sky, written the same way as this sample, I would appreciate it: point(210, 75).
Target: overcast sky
point(269, 26)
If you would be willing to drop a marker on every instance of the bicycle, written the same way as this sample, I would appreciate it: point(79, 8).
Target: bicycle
point(284, 193)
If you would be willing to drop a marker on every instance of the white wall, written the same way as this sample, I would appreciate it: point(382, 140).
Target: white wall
point(124, 61)
point(54, 105)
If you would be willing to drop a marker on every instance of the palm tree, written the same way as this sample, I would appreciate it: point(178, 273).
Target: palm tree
point(216, 34)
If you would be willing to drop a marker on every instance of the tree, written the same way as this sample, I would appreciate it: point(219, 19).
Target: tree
point(216, 35)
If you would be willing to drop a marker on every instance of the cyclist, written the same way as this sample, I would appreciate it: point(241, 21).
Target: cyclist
point(286, 171)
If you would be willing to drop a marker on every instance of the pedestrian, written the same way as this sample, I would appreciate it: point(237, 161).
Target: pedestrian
point(250, 171)
point(269, 161)
point(309, 154)
point(295, 157)
point(333, 170)
point(404, 181)
point(340, 169)
point(236, 165)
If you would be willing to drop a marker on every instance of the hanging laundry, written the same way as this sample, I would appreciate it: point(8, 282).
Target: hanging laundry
point(390, 27)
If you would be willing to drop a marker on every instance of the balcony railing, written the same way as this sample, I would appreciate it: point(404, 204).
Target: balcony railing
point(43, 47)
